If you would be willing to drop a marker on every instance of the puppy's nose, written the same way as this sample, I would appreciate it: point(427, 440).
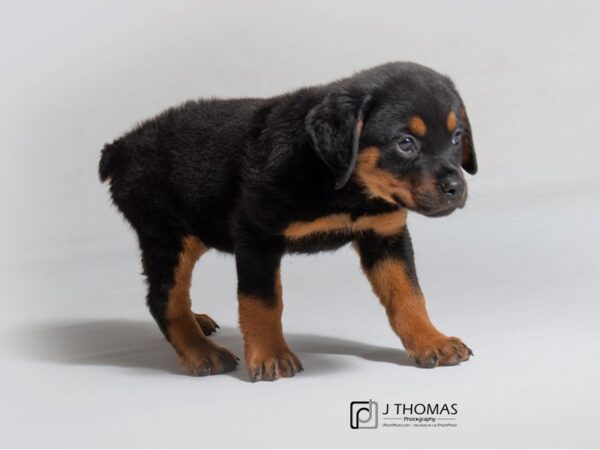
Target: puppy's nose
point(451, 186)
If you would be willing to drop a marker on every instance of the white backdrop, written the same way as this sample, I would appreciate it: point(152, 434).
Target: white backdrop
point(81, 362)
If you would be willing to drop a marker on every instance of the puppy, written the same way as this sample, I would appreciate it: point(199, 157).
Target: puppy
point(308, 171)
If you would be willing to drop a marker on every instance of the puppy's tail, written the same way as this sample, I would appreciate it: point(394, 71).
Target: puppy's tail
point(107, 160)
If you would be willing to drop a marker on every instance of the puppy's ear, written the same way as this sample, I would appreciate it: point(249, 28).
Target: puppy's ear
point(469, 160)
point(334, 126)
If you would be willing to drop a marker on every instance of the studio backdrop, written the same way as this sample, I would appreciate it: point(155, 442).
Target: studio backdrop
point(514, 273)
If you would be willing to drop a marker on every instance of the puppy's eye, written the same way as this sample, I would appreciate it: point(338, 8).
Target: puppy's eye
point(406, 145)
point(457, 137)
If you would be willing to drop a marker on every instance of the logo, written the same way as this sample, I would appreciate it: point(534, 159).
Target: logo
point(364, 414)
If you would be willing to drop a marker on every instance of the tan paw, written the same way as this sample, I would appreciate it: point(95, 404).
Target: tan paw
point(440, 351)
point(208, 325)
point(274, 366)
point(208, 360)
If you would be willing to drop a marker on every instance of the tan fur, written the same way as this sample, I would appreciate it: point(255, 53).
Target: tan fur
point(451, 122)
point(196, 353)
point(264, 344)
point(179, 298)
point(402, 300)
point(386, 224)
point(327, 224)
point(183, 329)
point(378, 182)
point(417, 126)
point(261, 324)
point(427, 186)
point(405, 307)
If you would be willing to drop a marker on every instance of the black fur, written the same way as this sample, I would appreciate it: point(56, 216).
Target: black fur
point(235, 173)
point(332, 126)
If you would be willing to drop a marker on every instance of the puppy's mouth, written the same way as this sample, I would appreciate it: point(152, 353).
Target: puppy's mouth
point(432, 205)
point(437, 212)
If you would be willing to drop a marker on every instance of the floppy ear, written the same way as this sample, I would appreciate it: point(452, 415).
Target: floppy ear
point(334, 126)
point(469, 160)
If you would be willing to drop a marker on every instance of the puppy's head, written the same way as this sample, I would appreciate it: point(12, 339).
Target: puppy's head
point(400, 131)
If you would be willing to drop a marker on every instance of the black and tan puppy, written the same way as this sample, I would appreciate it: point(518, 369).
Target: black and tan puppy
point(305, 172)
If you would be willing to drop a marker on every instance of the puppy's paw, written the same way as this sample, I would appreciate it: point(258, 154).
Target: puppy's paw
point(208, 360)
point(440, 351)
point(208, 325)
point(271, 367)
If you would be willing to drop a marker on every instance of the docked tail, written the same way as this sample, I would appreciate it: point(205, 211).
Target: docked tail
point(107, 160)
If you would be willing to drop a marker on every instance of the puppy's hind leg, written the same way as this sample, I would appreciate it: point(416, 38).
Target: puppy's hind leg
point(207, 324)
point(168, 265)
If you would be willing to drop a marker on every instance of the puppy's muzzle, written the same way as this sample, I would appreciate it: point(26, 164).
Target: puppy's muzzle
point(452, 187)
point(444, 195)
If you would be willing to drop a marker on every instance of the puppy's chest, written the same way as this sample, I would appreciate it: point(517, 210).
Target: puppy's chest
point(337, 229)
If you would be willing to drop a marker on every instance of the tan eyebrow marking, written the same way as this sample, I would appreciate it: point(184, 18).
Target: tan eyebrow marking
point(451, 122)
point(417, 126)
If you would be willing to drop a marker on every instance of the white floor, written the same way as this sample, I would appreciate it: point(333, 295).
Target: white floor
point(515, 276)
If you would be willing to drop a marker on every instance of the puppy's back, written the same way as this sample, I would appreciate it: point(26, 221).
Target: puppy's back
point(183, 163)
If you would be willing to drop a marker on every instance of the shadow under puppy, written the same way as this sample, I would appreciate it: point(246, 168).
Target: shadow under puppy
point(308, 171)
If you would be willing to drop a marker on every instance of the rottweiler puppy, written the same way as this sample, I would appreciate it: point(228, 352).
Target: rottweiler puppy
point(303, 172)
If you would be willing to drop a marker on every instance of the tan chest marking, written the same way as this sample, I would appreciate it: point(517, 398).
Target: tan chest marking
point(386, 224)
point(326, 224)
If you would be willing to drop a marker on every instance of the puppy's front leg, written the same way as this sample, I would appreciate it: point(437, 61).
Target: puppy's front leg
point(389, 265)
point(268, 356)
